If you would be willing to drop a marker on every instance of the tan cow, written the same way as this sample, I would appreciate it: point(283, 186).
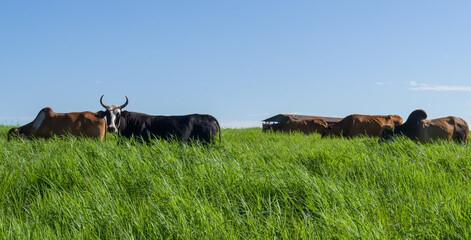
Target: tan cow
point(417, 127)
point(48, 123)
point(306, 126)
point(366, 125)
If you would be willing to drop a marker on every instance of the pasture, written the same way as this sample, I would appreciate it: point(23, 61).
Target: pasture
point(253, 185)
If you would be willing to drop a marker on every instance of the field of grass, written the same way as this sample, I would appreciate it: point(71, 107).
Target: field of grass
point(253, 185)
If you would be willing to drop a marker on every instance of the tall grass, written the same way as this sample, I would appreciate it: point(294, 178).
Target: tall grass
point(253, 185)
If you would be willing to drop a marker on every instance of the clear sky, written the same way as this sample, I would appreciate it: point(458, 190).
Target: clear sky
point(240, 61)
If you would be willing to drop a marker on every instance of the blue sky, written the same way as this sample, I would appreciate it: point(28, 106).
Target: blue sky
point(241, 61)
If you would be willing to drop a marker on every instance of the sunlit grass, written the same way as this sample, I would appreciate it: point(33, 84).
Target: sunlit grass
point(253, 185)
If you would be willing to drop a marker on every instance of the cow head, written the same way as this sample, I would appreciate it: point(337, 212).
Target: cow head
point(19, 132)
point(112, 114)
point(327, 131)
point(386, 133)
point(12, 133)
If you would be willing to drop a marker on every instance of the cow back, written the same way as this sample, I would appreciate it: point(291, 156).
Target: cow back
point(182, 127)
point(369, 125)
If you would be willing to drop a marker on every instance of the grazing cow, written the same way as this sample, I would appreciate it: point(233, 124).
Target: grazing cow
point(417, 127)
point(140, 125)
point(48, 123)
point(306, 126)
point(356, 125)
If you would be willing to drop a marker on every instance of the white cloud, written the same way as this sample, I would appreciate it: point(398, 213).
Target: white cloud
point(383, 83)
point(429, 87)
point(413, 85)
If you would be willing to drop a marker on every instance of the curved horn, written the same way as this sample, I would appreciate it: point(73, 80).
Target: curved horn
point(125, 104)
point(101, 101)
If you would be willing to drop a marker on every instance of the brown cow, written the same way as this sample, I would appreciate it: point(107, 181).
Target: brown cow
point(306, 126)
point(356, 125)
point(48, 123)
point(417, 127)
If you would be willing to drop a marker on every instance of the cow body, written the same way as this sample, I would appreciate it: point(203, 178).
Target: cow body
point(356, 125)
point(48, 123)
point(306, 126)
point(184, 128)
point(417, 127)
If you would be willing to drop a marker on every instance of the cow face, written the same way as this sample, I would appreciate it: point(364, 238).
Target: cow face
point(12, 133)
point(112, 114)
point(21, 132)
point(386, 133)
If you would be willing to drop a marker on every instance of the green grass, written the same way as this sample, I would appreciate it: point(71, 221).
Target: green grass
point(254, 185)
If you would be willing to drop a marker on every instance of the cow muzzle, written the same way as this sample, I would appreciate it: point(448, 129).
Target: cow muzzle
point(112, 129)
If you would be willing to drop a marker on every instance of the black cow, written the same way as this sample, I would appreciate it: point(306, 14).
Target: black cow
point(201, 127)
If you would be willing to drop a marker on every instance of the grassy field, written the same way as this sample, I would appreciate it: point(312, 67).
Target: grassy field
point(254, 185)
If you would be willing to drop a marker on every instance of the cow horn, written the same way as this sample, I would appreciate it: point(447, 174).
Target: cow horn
point(125, 104)
point(101, 101)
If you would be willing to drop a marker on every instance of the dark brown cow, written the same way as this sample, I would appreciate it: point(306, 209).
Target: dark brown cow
point(417, 127)
point(306, 126)
point(48, 123)
point(367, 125)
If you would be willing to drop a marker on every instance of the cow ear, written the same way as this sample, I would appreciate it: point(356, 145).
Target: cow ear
point(124, 113)
point(100, 114)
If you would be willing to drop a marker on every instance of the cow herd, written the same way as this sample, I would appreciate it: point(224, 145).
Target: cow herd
point(205, 128)
point(417, 127)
